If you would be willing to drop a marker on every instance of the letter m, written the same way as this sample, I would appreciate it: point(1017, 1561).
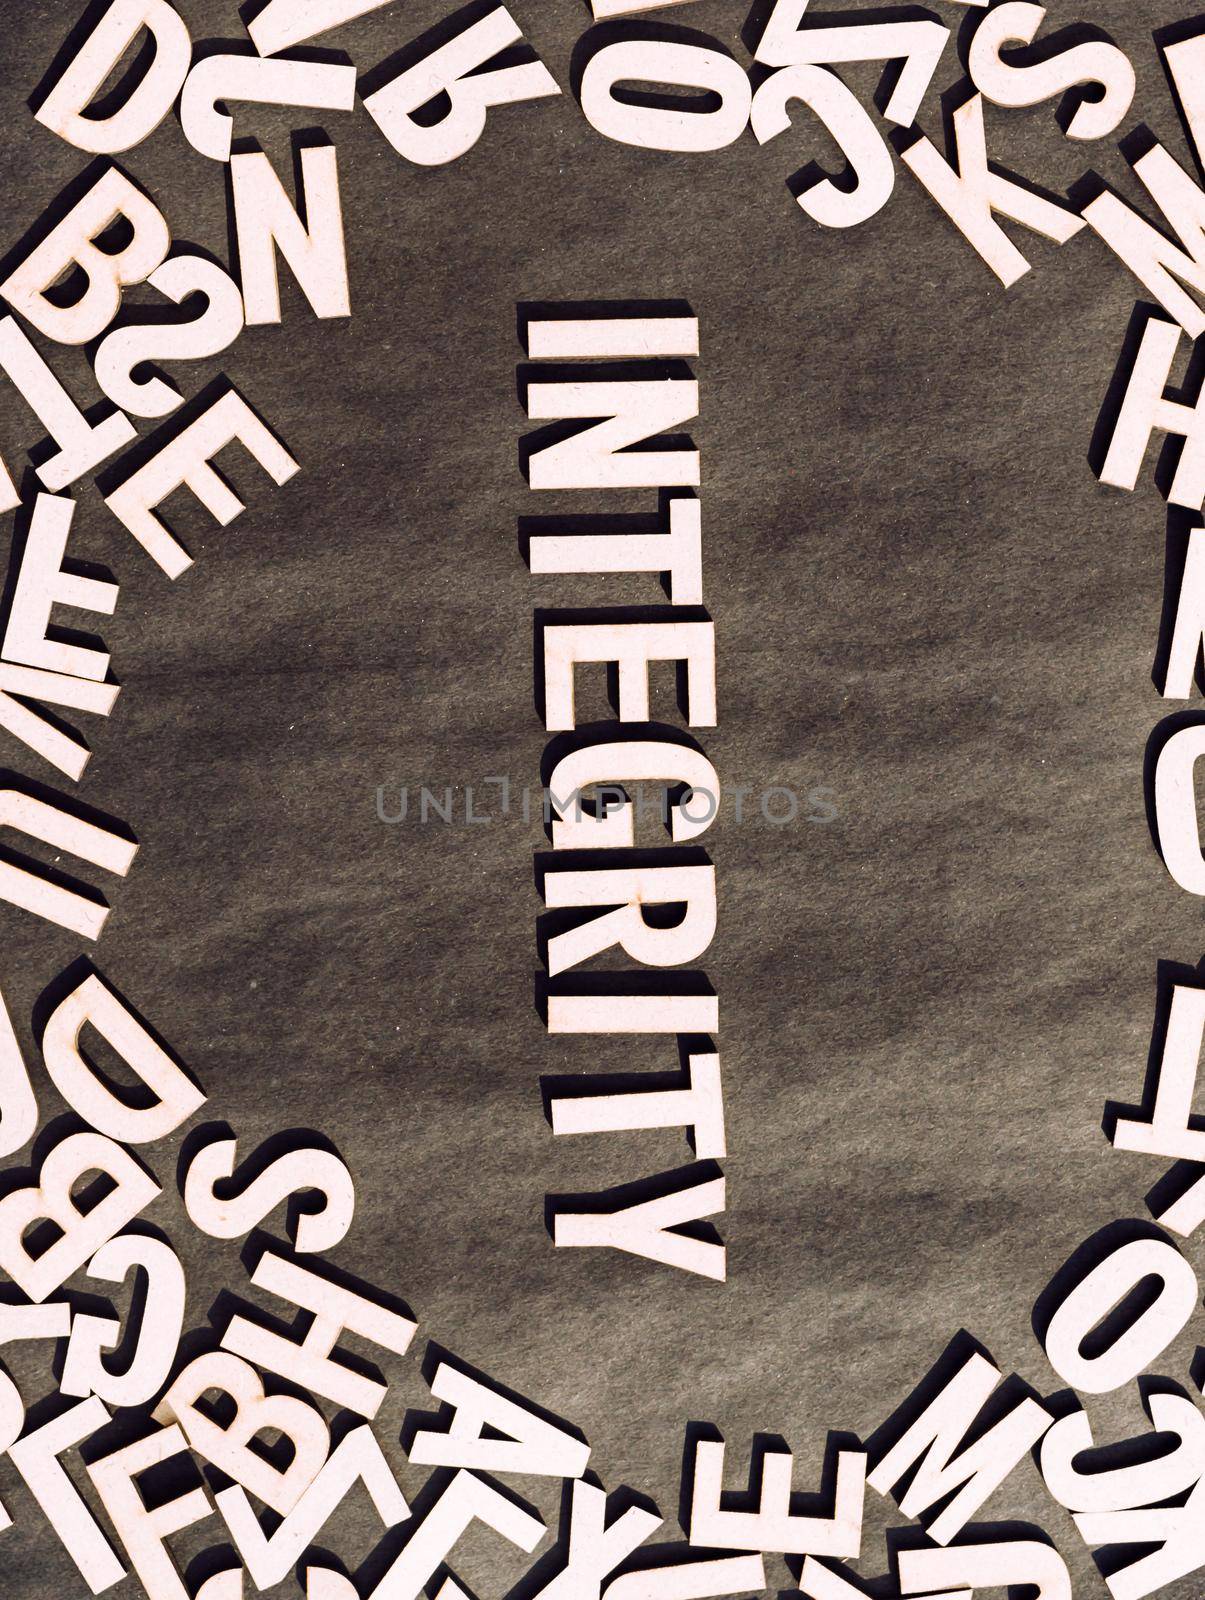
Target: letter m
point(933, 1440)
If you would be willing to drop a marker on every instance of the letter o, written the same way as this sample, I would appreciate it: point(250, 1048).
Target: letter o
point(655, 127)
point(792, 813)
point(713, 806)
point(1176, 808)
point(1104, 1287)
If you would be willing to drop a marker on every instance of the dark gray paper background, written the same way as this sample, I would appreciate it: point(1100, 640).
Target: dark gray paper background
point(924, 603)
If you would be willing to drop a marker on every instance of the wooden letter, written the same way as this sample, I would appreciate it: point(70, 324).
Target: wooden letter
point(1149, 254)
point(465, 1500)
point(1176, 808)
point(1176, 1530)
point(322, 85)
point(218, 326)
point(533, 1444)
point(186, 460)
point(36, 1458)
point(691, 1580)
point(39, 820)
point(678, 552)
point(772, 1526)
point(18, 1104)
point(158, 1336)
point(648, 1229)
point(453, 70)
point(631, 646)
point(643, 760)
point(596, 1548)
point(1169, 1132)
point(918, 45)
point(699, 1107)
point(1143, 1340)
point(842, 114)
point(1102, 65)
point(41, 584)
point(986, 1566)
point(611, 338)
point(1144, 409)
point(970, 195)
point(1146, 1483)
point(138, 117)
point(634, 411)
point(24, 1322)
point(285, 23)
point(1189, 634)
point(630, 889)
point(142, 1531)
point(644, 60)
point(296, 1172)
point(176, 1096)
point(974, 1471)
point(269, 1560)
point(266, 221)
point(633, 1013)
point(228, 1448)
point(82, 447)
point(83, 1232)
point(335, 1310)
point(71, 244)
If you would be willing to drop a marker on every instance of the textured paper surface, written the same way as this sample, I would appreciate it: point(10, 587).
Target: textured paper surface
point(924, 603)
